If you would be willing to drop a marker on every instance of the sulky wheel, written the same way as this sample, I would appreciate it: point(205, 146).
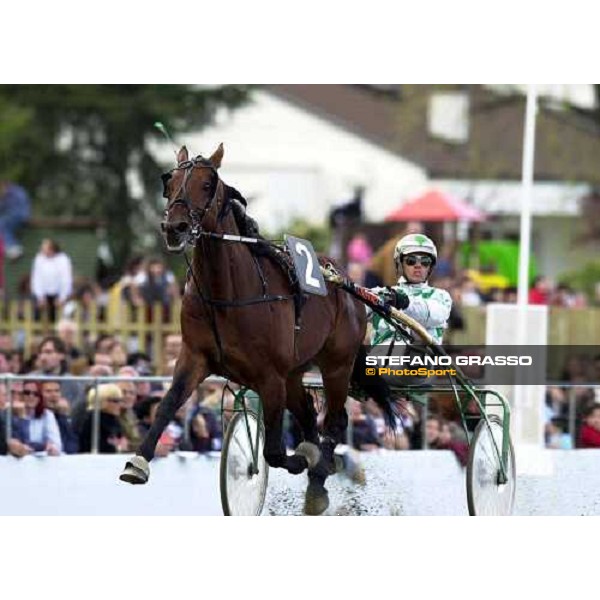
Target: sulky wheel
point(485, 495)
point(243, 480)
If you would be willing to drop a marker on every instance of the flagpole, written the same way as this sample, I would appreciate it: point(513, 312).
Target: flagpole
point(521, 399)
point(526, 189)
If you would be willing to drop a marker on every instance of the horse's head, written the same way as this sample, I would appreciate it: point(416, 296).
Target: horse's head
point(194, 194)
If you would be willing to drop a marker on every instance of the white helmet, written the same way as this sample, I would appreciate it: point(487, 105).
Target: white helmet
point(415, 242)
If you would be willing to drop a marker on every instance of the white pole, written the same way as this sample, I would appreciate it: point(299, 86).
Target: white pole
point(521, 400)
point(527, 184)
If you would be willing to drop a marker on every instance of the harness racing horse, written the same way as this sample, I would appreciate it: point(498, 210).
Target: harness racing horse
point(238, 320)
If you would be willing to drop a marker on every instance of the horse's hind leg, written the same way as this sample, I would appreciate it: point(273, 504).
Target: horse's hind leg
point(188, 373)
point(301, 404)
point(335, 382)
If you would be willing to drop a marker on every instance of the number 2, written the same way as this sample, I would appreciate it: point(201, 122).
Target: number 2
point(308, 276)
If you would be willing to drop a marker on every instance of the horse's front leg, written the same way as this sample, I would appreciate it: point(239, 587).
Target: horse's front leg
point(189, 372)
point(273, 396)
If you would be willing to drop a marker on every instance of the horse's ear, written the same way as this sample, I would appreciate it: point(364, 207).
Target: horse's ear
point(182, 155)
point(217, 156)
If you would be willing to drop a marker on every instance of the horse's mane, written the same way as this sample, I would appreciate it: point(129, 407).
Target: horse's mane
point(247, 226)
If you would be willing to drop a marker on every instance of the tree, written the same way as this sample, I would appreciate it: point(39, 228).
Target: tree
point(76, 147)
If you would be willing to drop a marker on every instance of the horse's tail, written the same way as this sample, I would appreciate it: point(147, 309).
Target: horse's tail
point(389, 410)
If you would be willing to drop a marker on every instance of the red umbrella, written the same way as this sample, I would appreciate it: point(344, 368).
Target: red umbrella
point(436, 206)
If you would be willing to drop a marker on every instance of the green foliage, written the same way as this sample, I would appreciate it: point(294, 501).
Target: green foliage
point(76, 148)
point(585, 279)
point(318, 235)
point(15, 122)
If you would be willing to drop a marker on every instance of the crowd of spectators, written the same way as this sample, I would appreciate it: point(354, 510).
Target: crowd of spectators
point(58, 416)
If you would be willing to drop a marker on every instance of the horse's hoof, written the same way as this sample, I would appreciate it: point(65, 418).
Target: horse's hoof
point(136, 471)
point(311, 453)
point(316, 500)
point(349, 464)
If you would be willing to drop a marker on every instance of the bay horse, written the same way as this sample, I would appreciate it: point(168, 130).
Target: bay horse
point(238, 320)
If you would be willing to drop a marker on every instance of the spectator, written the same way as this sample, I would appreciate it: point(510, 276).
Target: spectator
point(359, 250)
point(127, 418)
point(6, 342)
point(557, 404)
point(104, 343)
point(540, 292)
point(11, 446)
point(205, 431)
point(53, 400)
point(510, 295)
point(38, 428)
point(157, 284)
point(111, 438)
point(128, 285)
point(4, 364)
point(15, 210)
point(433, 430)
point(146, 413)
point(52, 361)
point(364, 429)
point(16, 396)
point(100, 359)
point(83, 305)
point(362, 276)
point(589, 435)
point(445, 263)
point(448, 440)
point(142, 364)
point(118, 355)
point(172, 347)
point(51, 278)
point(212, 395)
point(15, 361)
point(67, 331)
point(86, 401)
point(469, 294)
point(557, 436)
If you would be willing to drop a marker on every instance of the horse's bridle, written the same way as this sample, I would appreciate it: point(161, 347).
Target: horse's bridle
point(195, 215)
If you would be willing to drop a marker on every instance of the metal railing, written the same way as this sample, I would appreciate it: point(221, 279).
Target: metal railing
point(571, 389)
point(573, 414)
point(8, 379)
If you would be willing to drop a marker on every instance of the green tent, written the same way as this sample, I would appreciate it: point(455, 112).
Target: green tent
point(503, 255)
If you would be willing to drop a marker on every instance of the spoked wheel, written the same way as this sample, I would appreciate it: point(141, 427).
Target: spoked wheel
point(485, 496)
point(243, 480)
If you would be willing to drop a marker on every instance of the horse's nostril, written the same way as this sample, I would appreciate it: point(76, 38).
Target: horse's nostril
point(181, 227)
point(163, 226)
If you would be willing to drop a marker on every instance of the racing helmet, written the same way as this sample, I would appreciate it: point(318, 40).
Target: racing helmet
point(413, 243)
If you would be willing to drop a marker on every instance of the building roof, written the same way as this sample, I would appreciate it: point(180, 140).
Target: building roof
point(396, 118)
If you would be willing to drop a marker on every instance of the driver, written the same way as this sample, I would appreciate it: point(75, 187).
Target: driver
point(415, 256)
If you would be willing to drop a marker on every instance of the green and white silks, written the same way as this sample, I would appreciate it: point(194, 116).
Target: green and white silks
point(429, 306)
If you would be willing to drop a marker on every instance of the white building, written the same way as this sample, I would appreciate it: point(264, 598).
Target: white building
point(298, 151)
point(289, 162)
